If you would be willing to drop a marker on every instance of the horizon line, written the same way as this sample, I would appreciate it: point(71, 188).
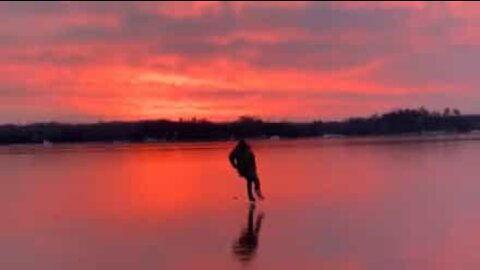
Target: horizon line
point(200, 119)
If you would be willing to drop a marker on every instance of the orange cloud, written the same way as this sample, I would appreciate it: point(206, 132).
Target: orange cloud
point(298, 60)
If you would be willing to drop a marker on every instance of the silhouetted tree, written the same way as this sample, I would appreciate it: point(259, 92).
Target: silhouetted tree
point(446, 112)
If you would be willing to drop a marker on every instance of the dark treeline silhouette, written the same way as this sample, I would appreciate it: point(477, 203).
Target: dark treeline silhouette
point(396, 122)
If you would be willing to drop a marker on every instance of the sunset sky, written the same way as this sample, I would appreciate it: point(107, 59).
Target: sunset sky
point(92, 61)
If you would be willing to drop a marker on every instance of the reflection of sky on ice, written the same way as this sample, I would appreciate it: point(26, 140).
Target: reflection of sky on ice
point(330, 204)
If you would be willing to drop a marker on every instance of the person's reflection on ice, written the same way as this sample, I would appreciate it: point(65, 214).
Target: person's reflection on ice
point(245, 246)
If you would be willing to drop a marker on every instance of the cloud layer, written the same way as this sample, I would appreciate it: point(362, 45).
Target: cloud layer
point(89, 61)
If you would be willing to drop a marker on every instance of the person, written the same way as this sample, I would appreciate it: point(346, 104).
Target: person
point(243, 160)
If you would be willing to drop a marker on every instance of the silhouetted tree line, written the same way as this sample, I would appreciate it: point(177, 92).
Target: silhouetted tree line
point(396, 122)
point(407, 121)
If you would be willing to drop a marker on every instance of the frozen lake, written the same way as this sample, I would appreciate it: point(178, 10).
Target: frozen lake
point(330, 204)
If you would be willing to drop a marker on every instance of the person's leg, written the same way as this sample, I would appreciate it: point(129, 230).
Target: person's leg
point(249, 190)
point(258, 190)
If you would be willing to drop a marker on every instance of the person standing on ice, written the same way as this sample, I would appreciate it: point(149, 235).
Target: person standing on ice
point(243, 160)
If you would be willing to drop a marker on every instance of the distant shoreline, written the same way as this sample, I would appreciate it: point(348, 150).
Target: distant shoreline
point(350, 139)
point(406, 122)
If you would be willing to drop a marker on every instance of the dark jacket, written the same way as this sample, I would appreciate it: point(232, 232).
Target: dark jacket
point(243, 159)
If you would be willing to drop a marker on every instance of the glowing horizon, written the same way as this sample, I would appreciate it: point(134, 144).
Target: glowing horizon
point(102, 61)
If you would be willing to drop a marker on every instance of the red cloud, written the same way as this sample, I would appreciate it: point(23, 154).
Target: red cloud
point(300, 60)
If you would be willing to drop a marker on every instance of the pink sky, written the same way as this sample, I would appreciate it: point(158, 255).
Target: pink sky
point(91, 61)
